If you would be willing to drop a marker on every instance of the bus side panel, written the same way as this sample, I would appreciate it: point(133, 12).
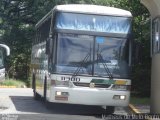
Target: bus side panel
point(2, 69)
point(2, 74)
point(39, 66)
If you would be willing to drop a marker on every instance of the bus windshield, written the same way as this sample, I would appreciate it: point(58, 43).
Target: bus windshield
point(96, 23)
point(91, 55)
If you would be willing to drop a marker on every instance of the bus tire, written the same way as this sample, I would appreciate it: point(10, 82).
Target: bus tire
point(109, 110)
point(35, 94)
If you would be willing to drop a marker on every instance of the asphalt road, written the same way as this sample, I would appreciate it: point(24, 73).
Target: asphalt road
point(18, 103)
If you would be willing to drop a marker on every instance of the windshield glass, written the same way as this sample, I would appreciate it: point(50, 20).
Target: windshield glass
point(87, 22)
point(91, 55)
point(111, 54)
point(72, 51)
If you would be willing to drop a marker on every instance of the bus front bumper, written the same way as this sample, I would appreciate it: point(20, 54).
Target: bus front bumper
point(89, 96)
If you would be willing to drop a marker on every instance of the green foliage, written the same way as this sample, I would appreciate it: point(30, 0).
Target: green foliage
point(141, 81)
point(12, 82)
point(140, 101)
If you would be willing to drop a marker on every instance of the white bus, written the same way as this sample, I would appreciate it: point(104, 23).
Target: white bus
point(3, 49)
point(82, 55)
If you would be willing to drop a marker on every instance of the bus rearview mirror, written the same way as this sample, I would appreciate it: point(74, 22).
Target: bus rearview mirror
point(6, 48)
point(47, 46)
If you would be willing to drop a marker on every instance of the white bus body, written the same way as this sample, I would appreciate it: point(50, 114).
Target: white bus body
point(82, 54)
point(3, 49)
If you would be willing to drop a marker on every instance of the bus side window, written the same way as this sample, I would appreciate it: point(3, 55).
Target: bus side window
point(156, 36)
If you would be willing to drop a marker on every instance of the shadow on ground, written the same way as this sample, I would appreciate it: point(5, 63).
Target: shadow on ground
point(28, 104)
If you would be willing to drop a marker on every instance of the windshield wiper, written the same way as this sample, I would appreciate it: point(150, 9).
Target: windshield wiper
point(99, 57)
point(81, 65)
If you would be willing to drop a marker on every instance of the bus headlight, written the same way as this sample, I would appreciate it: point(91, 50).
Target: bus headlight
point(121, 87)
point(119, 97)
point(58, 93)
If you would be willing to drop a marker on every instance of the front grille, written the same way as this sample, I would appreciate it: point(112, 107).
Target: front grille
point(81, 84)
point(102, 85)
point(97, 85)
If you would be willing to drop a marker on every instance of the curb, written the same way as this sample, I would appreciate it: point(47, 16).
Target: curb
point(134, 109)
point(3, 86)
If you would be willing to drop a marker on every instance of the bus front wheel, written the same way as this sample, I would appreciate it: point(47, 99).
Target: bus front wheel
point(35, 94)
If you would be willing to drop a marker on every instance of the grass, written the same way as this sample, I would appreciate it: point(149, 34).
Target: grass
point(12, 82)
point(141, 101)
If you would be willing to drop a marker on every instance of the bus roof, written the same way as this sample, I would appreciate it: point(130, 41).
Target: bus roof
point(87, 9)
point(93, 9)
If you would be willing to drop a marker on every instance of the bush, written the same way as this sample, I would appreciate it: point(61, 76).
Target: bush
point(17, 83)
point(141, 81)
